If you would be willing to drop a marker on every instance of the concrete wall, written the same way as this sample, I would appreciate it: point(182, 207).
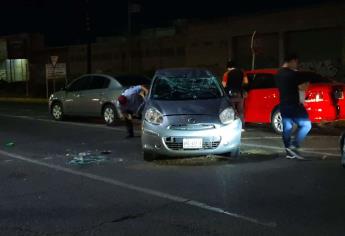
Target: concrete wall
point(316, 33)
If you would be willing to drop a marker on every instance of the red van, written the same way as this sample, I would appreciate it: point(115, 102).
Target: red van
point(324, 99)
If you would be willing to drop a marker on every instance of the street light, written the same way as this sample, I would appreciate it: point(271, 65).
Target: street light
point(88, 35)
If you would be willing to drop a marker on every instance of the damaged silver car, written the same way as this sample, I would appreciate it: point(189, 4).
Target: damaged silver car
point(187, 113)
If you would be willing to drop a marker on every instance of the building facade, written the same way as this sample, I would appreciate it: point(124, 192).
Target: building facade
point(316, 34)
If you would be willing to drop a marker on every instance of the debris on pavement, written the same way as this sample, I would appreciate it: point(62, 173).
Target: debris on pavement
point(9, 144)
point(118, 160)
point(107, 152)
point(86, 158)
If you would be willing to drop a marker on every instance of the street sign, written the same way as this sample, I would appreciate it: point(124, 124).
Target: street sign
point(56, 72)
point(54, 60)
point(3, 49)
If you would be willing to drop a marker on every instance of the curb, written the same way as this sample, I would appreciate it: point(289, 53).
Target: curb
point(25, 100)
point(333, 124)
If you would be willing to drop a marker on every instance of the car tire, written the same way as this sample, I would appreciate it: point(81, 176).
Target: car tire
point(277, 121)
point(57, 111)
point(109, 114)
point(235, 154)
point(149, 156)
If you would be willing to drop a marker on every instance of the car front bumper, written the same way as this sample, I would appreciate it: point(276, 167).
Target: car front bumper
point(168, 142)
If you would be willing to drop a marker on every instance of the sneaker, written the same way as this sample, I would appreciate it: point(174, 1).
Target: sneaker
point(292, 151)
point(288, 156)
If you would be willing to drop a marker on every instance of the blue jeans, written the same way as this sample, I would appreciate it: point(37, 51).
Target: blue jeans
point(295, 114)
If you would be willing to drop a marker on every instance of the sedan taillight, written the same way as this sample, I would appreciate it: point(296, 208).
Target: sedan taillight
point(314, 96)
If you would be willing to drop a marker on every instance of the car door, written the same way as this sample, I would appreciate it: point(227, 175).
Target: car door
point(92, 99)
point(74, 95)
point(262, 98)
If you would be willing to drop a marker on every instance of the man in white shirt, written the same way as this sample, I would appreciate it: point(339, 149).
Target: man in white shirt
point(131, 103)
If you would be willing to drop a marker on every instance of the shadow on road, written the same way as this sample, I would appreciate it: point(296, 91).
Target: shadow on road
point(216, 160)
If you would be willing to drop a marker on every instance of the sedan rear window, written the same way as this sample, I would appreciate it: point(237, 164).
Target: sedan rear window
point(177, 88)
point(132, 80)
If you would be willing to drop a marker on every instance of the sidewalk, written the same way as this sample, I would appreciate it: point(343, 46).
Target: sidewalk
point(24, 100)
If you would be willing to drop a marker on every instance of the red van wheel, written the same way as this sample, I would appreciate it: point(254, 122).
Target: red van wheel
point(277, 121)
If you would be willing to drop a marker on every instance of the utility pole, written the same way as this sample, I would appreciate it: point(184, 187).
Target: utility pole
point(253, 49)
point(131, 9)
point(88, 35)
point(129, 36)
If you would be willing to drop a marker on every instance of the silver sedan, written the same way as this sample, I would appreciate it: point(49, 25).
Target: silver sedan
point(93, 95)
point(187, 113)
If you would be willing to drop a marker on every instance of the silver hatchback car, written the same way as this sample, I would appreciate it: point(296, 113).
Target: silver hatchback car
point(93, 95)
point(187, 113)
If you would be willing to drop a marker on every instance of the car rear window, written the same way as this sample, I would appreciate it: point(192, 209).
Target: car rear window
point(314, 78)
point(132, 80)
point(265, 81)
point(261, 81)
point(178, 88)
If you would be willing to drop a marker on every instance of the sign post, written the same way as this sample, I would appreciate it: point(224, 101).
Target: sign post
point(54, 71)
point(252, 47)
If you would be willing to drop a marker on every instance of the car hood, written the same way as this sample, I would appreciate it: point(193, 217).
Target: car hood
point(59, 94)
point(190, 107)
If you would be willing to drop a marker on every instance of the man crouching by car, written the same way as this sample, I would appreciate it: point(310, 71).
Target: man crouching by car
point(132, 102)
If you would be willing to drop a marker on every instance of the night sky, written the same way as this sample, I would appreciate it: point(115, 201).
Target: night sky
point(63, 21)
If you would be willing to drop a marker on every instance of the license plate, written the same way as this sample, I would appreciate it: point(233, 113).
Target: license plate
point(192, 143)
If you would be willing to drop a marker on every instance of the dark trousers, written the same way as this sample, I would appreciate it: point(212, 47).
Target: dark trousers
point(129, 125)
point(237, 102)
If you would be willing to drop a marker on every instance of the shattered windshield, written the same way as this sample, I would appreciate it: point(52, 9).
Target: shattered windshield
point(177, 88)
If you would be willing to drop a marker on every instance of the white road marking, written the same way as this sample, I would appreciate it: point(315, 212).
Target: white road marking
point(260, 138)
point(320, 149)
point(8, 161)
point(282, 149)
point(279, 137)
point(147, 191)
point(100, 126)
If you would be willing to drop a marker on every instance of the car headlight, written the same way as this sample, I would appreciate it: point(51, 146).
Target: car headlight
point(153, 116)
point(227, 116)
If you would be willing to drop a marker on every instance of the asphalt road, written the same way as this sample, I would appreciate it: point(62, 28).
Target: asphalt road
point(46, 189)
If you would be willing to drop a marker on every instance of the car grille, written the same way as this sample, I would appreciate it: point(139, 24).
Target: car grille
point(192, 127)
point(176, 143)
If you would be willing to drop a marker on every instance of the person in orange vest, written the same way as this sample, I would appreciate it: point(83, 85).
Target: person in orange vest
point(234, 80)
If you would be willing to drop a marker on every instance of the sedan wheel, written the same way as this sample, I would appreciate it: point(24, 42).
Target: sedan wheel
point(57, 111)
point(109, 114)
point(235, 154)
point(277, 122)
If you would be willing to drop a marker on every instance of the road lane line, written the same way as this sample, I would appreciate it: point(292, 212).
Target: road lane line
point(101, 126)
point(283, 149)
point(279, 137)
point(147, 191)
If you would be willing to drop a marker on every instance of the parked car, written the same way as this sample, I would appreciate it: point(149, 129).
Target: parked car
point(93, 95)
point(187, 113)
point(324, 99)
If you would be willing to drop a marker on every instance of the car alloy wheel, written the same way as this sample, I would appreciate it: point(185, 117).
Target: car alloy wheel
point(57, 112)
point(277, 122)
point(109, 115)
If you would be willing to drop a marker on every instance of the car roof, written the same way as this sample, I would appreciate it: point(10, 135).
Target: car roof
point(184, 72)
point(262, 71)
